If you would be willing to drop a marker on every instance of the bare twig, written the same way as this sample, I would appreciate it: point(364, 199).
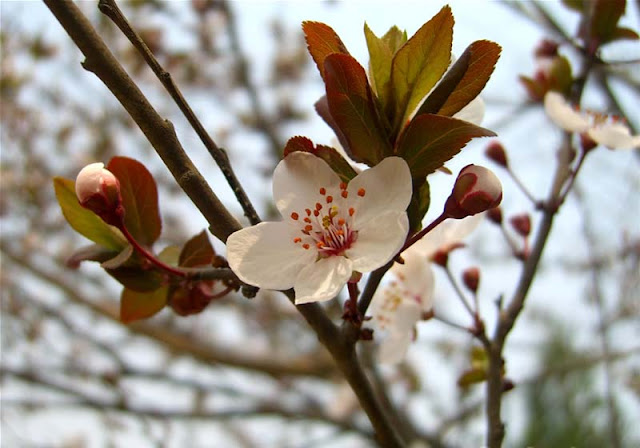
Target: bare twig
point(160, 133)
point(111, 10)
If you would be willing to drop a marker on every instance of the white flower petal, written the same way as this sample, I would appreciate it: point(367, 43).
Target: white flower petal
point(614, 136)
point(449, 232)
point(379, 240)
point(406, 317)
point(394, 349)
point(386, 186)
point(322, 280)
point(264, 255)
point(563, 115)
point(416, 277)
point(472, 112)
point(297, 180)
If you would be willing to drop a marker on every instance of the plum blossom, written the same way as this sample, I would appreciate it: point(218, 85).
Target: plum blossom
point(397, 307)
point(330, 230)
point(604, 130)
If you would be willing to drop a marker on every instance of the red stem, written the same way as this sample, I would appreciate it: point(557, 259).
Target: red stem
point(149, 256)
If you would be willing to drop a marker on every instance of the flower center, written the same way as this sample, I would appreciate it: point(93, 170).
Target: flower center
point(328, 224)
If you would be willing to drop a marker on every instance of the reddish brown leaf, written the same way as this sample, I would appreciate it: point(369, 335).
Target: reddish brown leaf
point(321, 42)
point(197, 252)
point(353, 109)
point(140, 199)
point(430, 140)
point(326, 153)
point(604, 18)
point(141, 305)
point(483, 55)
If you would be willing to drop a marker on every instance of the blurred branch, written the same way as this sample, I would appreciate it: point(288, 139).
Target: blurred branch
point(160, 133)
point(507, 317)
point(603, 326)
point(179, 343)
point(83, 399)
point(111, 10)
point(262, 121)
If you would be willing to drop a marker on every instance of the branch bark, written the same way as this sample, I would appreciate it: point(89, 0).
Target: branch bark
point(160, 133)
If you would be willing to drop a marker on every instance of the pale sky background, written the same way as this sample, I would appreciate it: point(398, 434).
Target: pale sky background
point(530, 139)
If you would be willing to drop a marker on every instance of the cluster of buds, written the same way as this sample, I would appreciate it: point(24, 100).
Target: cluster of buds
point(98, 190)
point(476, 190)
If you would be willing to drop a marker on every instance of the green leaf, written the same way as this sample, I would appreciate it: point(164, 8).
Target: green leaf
point(419, 64)
point(140, 199)
point(560, 75)
point(381, 52)
point(471, 377)
point(322, 41)
point(330, 155)
point(419, 205)
point(430, 140)
point(604, 18)
point(136, 305)
point(198, 251)
point(83, 221)
point(576, 5)
point(464, 81)
point(353, 109)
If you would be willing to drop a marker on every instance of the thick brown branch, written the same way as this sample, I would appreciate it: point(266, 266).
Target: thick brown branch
point(158, 131)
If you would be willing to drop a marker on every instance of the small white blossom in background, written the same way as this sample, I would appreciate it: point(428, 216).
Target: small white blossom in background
point(604, 130)
point(330, 230)
point(397, 307)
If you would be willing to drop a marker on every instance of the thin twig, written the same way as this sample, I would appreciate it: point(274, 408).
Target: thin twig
point(160, 133)
point(111, 10)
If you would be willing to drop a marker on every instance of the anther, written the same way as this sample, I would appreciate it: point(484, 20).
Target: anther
point(308, 228)
point(329, 199)
point(318, 206)
point(294, 216)
point(351, 211)
point(341, 222)
point(344, 194)
point(361, 192)
point(319, 244)
point(307, 220)
point(307, 211)
point(343, 186)
point(322, 191)
point(305, 245)
point(297, 240)
point(316, 213)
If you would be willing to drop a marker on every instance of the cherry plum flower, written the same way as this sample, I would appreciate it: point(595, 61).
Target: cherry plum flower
point(330, 230)
point(397, 307)
point(604, 130)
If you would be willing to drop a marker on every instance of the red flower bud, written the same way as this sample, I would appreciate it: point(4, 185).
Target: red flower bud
point(495, 215)
point(495, 151)
point(471, 279)
point(98, 190)
point(546, 49)
point(476, 190)
point(521, 224)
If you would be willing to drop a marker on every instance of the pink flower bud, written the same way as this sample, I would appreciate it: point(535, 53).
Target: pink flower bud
point(546, 48)
point(495, 151)
point(495, 215)
point(521, 224)
point(471, 278)
point(476, 190)
point(98, 190)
